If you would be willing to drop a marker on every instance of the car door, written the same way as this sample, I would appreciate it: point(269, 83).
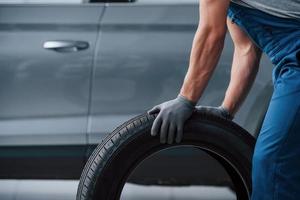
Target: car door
point(47, 49)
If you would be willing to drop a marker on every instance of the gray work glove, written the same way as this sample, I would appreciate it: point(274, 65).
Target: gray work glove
point(218, 111)
point(170, 120)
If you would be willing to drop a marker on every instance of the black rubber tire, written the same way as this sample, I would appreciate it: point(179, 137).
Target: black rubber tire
point(113, 160)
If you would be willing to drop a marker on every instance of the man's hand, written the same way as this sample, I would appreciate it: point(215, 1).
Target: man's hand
point(218, 111)
point(171, 118)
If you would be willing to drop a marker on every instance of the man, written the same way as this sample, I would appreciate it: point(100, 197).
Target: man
point(256, 26)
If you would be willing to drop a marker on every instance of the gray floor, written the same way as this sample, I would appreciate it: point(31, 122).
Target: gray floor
point(66, 190)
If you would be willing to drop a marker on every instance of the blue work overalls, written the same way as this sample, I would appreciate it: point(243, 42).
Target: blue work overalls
point(276, 159)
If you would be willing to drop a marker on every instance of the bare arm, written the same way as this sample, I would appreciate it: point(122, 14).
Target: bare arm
point(244, 68)
point(207, 47)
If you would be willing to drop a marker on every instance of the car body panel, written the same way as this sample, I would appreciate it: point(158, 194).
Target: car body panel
point(44, 94)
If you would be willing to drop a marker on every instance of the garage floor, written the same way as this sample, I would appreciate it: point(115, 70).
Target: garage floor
point(66, 190)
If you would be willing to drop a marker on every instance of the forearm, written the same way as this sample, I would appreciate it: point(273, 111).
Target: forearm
point(205, 53)
point(244, 70)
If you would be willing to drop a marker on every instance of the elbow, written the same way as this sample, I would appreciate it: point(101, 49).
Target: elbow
point(216, 32)
point(217, 37)
point(216, 40)
point(214, 36)
point(250, 50)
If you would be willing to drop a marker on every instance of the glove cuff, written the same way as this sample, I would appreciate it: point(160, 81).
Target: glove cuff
point(226, 113)
point(186, 101)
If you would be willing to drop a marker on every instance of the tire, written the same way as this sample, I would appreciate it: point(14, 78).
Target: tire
point(113, 160)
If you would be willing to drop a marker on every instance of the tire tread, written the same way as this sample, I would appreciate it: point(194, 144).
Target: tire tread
point(109, 145)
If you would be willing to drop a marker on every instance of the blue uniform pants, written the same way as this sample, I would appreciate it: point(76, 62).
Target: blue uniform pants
point(276, 159)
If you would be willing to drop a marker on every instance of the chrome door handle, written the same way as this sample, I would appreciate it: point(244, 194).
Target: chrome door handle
point(66, 45)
